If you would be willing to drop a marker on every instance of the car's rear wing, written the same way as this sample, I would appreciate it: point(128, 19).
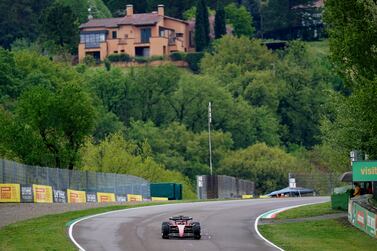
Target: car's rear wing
point(180, 218)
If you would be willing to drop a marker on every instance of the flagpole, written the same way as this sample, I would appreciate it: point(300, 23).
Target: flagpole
point(209, 135)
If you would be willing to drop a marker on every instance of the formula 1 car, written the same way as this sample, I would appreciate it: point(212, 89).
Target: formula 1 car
point(180, 226)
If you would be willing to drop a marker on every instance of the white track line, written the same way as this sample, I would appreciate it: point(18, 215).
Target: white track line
point(276, 211)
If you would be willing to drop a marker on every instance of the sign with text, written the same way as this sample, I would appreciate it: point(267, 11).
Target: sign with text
point(60, 196)
point(10, 193)
point(42, 194)
point(159, 199)
point(134, 197)
point(364, 171)
point(121, 198)
point(27, 194)
point(75, 196)
point(105, 197)
point(91, 197)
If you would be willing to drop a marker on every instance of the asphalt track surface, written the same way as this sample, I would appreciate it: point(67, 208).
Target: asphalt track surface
point(226, 225)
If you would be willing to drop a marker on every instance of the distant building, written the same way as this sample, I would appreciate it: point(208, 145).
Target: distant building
point(147, 34)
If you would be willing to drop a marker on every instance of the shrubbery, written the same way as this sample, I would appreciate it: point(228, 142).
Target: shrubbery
point(122, 57)
point(193, 60)
point(141, 60)
point(178, 56)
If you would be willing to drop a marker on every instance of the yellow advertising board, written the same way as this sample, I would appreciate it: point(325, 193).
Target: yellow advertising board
point(105, 197)
point(134, 197)
point(76, 196)
point(159, 199)
point(247, 196)
point(10, 193)
point(42, 194)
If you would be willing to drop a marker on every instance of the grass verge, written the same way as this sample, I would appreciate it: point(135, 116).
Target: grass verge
point(50, 232)
point(308, 211)
point(318, 235)
point(333, 234)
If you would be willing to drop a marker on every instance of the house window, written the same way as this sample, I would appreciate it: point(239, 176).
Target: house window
point(115, 51)
point(179, 34)
point(145, 35)
point(121, 51)
point(92, 39)
point(114, 34)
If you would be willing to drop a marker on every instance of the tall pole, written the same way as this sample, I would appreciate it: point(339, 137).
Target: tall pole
point(209, 135)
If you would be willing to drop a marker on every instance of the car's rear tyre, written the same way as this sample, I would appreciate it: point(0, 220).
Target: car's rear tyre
point(165, 230)
point(196, 230)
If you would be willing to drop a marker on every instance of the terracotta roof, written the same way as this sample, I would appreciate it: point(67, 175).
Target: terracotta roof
point(135, 19)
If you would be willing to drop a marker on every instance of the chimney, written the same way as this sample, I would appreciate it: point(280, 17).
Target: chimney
point(129, 10)
point(161, 10)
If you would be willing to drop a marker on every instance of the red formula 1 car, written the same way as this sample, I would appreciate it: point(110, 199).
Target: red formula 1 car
point(180, 226)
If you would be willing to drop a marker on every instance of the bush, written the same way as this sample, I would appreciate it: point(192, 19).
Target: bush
point(107, 64)
point(178, 56)
point(141, 60)
point(156, 58)
point(122, 57)
point(89, 60)
point(193, 60)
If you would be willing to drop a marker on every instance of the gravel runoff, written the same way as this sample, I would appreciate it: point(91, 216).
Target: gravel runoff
point(14, 212)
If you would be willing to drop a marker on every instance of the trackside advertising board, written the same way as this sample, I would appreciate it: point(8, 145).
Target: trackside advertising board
point(134, 197)
point(159, 199)
point(247, 196)
point(76, 196)
point(105, 197)
point(362, 218)
point(364, 171)
point(42, 194)
point(10, 193)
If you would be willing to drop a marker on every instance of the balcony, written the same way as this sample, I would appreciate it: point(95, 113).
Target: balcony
point(92, 45)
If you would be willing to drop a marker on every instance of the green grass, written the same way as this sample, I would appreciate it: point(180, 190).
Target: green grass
point(308, 211)
point(334, 234)
point(50, 232)
point(318, 235)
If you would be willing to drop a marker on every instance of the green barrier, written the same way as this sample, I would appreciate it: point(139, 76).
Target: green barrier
point(362, 218)
point(340, 201)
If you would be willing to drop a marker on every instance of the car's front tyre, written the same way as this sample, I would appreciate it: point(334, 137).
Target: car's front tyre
point(196, 230)
point(165, 230)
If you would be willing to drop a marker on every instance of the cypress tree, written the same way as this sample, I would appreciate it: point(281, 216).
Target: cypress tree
point(201, 26)
point(220, 26)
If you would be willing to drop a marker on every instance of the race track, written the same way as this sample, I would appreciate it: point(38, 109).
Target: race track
point(226, 225)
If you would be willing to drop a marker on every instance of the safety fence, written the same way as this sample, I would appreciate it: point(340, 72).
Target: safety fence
point(24, 183)
point(223, 187)
point(322, 183)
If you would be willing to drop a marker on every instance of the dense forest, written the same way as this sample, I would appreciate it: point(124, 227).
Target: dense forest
point(299, 109)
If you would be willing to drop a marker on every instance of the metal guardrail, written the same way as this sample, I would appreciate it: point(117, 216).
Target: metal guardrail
point(62, 179)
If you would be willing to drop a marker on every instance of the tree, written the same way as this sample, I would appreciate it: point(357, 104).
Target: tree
point(19, 19)
point(202, 39)
point(9, 76)
point(266, 166)
point(352, 44)
point(280, 17)
point(61, 120)
point(60, 25)
point(234, 56)
point(80, 8)
point(303, 100)
point(240, 19)
point(220, 26)
point(117, 155)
